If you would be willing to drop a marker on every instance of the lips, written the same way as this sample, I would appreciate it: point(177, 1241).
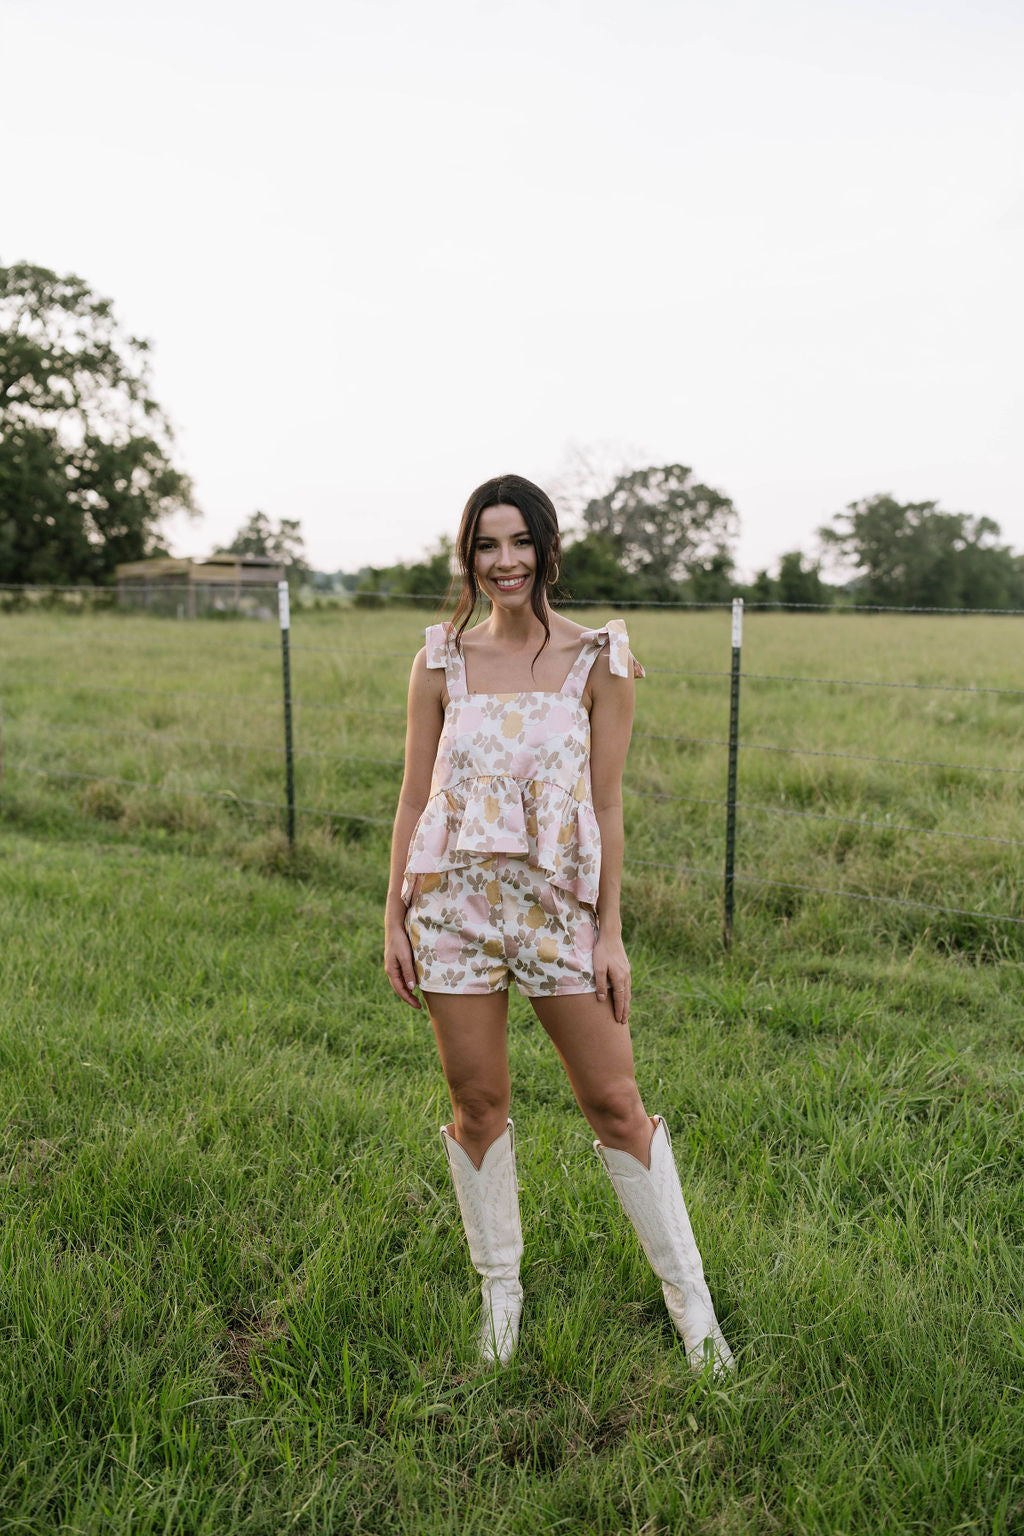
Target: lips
point(506, 585)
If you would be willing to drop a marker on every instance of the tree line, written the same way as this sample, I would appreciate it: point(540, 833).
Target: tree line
point(88, 479)
point(658, 535)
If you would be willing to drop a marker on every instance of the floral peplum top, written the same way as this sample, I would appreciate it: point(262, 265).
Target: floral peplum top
point(512, 773)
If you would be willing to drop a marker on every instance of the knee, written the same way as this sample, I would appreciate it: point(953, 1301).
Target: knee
point(479, 1107)
point(617, 1112)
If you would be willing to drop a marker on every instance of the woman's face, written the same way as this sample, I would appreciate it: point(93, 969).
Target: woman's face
point(504, 559)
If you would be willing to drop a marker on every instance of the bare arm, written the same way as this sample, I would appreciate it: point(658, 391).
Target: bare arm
point(423, 730)
point(611, 722)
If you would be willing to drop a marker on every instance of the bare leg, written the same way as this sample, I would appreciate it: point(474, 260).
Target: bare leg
point(597, 1054)
point(471, 1033)
point(471, 1037)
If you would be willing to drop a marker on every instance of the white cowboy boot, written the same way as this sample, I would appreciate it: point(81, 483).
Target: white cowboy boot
point(488, 1198)
point(653, 1201)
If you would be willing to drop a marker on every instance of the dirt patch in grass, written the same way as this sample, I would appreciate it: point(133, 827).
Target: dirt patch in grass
point(238, 1345)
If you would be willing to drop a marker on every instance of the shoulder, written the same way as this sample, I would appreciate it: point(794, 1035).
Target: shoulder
point(426, 683)
point(599, 633)
point(420, 664)
point(567, 630)
point(424, 667)
point(604, 676)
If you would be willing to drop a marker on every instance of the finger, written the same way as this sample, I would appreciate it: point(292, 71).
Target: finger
point(601, 982)
point(400, 987)
point(409, 978)
point(622, 997)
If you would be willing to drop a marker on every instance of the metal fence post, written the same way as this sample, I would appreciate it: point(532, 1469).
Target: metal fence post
point(734, 744)
point(289, 760)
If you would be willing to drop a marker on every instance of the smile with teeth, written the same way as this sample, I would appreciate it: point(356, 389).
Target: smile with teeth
point(509, 583)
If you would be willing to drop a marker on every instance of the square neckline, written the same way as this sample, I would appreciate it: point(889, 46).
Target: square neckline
point(523, 693)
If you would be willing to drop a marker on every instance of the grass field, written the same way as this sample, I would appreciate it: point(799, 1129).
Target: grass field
point(236, 1296)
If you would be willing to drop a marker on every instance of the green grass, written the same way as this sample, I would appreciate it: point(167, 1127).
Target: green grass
point(236, 1296)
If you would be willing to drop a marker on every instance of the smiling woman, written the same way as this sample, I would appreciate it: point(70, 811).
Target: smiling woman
point(509, 546)
point(507, 864)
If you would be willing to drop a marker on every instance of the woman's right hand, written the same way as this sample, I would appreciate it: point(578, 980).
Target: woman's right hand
point(398, 963)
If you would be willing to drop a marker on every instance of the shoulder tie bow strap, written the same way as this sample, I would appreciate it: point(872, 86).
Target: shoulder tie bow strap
point(442, 652)
point(437, 645)
point(620, 658)
point(621, 661)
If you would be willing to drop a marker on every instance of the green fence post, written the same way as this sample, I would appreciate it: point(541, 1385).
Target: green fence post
point(289, 759)
point(734, 744)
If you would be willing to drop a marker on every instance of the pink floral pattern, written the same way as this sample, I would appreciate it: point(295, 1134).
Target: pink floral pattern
point(474, 930)
point(512, 774)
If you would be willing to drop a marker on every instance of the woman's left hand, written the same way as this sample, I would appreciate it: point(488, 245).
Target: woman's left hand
point(611, 972)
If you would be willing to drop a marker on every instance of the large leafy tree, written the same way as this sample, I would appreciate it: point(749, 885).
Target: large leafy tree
point(913, 554)
point(666, 527)
point(86, 473)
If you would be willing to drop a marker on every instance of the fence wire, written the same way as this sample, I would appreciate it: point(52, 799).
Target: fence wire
point(769, 677)
point(226, 795)
point(229, 797)
point(821, 890)
point(337, 815)
point(856, 757)
point(402, 599)
point(852, 821)
point(348, 757)
point(206, 741)
point(220, 698)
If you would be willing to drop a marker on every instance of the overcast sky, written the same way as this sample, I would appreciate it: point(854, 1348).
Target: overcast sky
point(387, 248)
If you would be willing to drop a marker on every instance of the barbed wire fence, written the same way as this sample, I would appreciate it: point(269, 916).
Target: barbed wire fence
point(735, 745)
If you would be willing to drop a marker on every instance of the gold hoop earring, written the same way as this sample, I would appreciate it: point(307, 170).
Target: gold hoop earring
point(552, 579)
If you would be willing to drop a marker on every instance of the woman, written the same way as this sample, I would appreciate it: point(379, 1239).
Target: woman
point(507, 862)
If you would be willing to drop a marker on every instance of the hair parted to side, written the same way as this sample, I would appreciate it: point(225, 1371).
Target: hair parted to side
point(541, 519)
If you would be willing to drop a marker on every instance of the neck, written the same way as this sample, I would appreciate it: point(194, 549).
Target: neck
point(519, 629)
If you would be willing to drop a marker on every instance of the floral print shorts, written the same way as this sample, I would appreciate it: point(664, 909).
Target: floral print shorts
point(474, 929)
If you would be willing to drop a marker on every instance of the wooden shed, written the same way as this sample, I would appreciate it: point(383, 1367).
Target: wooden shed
point(218, 584)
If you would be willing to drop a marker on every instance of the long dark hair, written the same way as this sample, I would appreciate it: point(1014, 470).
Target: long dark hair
point(541, 520)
